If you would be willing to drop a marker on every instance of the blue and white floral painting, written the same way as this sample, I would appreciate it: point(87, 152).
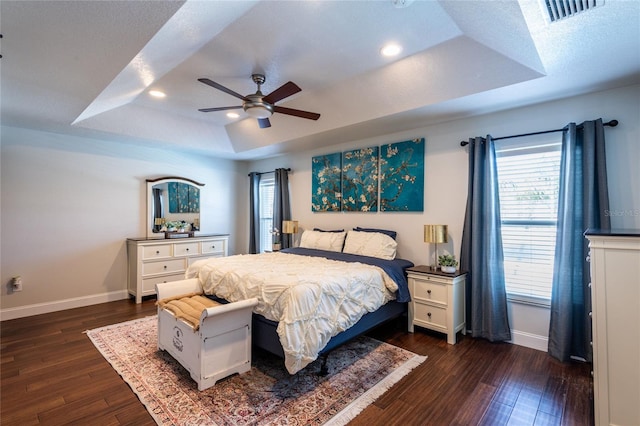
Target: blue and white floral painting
point(183, 198)
point(360, 180)
point(326, 185)
point(402, 176)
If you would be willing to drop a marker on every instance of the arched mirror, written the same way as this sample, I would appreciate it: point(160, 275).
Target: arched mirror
point(173, 203)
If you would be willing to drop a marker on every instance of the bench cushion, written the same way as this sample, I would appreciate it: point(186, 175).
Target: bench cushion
point(188, 307)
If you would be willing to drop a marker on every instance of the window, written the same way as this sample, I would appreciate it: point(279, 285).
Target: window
point(266, 188)
point(528, 177)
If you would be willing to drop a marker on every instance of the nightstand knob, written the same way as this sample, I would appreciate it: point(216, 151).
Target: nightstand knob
point(429, 314)
point(429, 292)
point(157, 251)
point(187, 249)
point(165, 266)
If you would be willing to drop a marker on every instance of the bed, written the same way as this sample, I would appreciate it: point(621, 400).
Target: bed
point(313, 298)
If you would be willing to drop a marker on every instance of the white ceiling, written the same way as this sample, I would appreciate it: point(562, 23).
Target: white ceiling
point(85, 67)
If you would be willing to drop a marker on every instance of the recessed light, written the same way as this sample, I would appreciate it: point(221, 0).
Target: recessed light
point(233, 115)
point(391, 49)
point(157, 94)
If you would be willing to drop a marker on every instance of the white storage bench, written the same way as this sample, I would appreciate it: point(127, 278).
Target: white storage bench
point(212, 346)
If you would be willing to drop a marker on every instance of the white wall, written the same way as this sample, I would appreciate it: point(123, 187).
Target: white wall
point(446, 179)
point(69, 203)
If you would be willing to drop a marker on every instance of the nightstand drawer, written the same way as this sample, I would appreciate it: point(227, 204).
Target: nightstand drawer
point(429, 291)
point(430, 316)
point(186, 249)
point(172, 265)
point(156, 251)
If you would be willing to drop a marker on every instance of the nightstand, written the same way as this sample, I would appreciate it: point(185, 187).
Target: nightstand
point(437, 301)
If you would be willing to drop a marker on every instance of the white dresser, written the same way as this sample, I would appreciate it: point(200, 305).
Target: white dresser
point(615, 293)
point(152, 260)
point(437, 301)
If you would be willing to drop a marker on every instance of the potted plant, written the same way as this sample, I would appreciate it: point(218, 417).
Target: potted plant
point(276, 239)
point(447, 263)
point(171, 226)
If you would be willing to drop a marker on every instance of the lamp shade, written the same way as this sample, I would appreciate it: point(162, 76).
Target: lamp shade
point(289, 226)
point(435, 234)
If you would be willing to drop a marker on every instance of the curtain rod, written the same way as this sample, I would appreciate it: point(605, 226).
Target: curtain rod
point(612, 123)
point(264, 173)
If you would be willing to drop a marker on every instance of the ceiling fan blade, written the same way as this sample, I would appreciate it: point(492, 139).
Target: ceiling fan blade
point(219, 108)
point(296, 112)
point(221, 87)
point(264, 123)
point(282, 92)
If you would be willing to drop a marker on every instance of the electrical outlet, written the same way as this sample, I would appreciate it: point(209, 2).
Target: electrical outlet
point(16, 282)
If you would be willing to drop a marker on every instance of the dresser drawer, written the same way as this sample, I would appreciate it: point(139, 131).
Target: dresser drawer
point(156, 252)
point(163, 267)
point(213, 247)
point(149, 284)
point(429, 290)
point(430, 316)
point(186, 249)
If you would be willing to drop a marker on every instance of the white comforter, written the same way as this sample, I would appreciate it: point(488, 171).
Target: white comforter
point(312, 298)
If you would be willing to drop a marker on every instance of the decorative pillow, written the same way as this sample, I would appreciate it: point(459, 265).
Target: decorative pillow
point(392, 234)
point(372, 244)
point(330, 241)
point(324, 230)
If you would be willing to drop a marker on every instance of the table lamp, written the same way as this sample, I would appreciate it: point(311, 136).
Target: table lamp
point(290, 227)
point(435, 234)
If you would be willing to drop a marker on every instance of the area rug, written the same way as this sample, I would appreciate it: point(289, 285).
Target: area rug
point(359, 372)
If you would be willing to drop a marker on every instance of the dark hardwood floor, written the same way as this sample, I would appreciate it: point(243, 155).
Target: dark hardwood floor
point(52, 374)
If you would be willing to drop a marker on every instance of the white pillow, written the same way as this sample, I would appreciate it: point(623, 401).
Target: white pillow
point(330, 241)
point(372, 244)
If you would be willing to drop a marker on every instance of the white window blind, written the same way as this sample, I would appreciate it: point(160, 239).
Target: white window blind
point(267, 185)
point(528, 177)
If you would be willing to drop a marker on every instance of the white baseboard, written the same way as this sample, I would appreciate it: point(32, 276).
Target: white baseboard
point(529, 340)
point(61, 305)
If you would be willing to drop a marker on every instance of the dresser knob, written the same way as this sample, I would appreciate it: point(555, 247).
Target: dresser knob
point(429, 314)
point(187, 248)
point(157, 251)
point(429, 292)
point(165, 266)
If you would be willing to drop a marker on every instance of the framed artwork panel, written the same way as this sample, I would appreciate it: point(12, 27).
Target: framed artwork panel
point(360, 180)
point(326, 184)
point(402, 176)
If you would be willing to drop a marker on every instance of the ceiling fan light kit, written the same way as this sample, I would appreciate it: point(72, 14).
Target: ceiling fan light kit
point(260, 106)
point(257, 108)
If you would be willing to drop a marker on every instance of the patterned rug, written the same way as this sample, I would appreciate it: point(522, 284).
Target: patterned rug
point(359, 373)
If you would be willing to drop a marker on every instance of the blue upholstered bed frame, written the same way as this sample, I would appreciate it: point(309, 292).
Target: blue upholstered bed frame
point(264, 333)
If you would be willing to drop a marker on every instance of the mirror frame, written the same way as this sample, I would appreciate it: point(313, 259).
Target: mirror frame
point(167, 179)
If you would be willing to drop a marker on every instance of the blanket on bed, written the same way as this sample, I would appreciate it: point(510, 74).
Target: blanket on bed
point(311, 298)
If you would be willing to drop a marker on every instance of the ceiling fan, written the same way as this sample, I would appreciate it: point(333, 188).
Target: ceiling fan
point(260, 106)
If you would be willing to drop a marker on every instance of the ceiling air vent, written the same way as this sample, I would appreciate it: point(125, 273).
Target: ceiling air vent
point(561, 9)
